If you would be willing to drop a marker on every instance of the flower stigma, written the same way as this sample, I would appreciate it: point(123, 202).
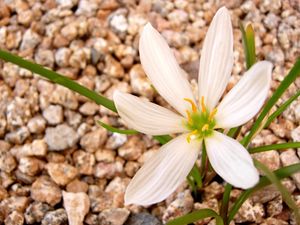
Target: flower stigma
point(201, 123)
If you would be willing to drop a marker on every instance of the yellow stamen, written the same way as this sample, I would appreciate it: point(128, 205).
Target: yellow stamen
point(194, 107)
point(188, 138)
point(203, 104)
point(212, 114)
point(189, 116)
point(205, 127)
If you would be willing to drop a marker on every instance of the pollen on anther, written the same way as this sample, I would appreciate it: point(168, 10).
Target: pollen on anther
point(203, 104)
point(188, 138)
point(205, 127)
point(188, 116)
point(212, 114)
point(194, 107)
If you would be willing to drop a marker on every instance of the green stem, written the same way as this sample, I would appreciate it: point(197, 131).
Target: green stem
point(195, 216)
point(248, 39)
point(225, 203)
point(116, 130)
point(281, 108)
point(284, 192)
point(280, 173)
point(59, 79)
point(288, 80)
point(275, 147)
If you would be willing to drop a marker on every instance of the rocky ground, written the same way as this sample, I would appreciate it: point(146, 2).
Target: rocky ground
point(57, 166)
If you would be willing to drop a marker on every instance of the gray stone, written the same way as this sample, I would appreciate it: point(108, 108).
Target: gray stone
point(115, 216)
point(53, 114)
point(142, 219)
point(36, 211)
point(60, 137)
point(57, 217)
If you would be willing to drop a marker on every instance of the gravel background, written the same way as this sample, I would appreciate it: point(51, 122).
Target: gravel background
point(57, 166)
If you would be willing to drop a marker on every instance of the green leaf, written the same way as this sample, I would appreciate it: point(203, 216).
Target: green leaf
point(116, 130)
point(195, 216)
point(280, 146)
point(281, 108)
point(280, 173)
point(248, 39)
point(163, 139)
point(284, 192)
point(225, 202)
point(59, 79)
point(195, 176)
point(288, 80)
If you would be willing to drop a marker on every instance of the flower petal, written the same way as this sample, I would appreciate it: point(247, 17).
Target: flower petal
point(246, 98)
point(163, 173)
point(231, 161)
point(216, 59)
point(162, 69)
point(147, 117)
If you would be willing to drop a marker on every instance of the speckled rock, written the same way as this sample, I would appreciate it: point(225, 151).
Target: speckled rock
point(89, 108)
point(18, 136)
point(209, 204)
point(94, 139)
point(53, 114)
point(64, 97)
point(15, 218)
point(275, 206)
point(139, 82)
point(84, 162)
point(57, 217)
point(30, 166)
point(30, 40)
point(113, 67)
point(60, 137)
point(14, 203)
point(115, 140)
point(45, 190)
point(132, 149)
point(289, 157)
point(37, 148)
point(77, 206)
point(270, 159)
point(142, 219)
point(76, 186)
point(250, 212)
point(61, 173)
point(18, 112)
point(115, 216)
point(270, 192)
point(36, 125)
point(107, 156)
point(36, 211)
point(182, 205)
point(7, 161)
point(108, 170)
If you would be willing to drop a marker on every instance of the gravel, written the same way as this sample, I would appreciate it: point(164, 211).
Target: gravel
point(57, 166)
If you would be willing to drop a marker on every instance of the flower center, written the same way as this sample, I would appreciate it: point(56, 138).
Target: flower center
point(201, 123)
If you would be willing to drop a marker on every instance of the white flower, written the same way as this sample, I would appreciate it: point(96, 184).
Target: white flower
point(167, 169)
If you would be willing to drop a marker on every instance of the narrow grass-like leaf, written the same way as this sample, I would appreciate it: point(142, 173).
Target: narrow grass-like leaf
point(248, 39)
point(58, 78)
point(280, 146)
point(281, 108)
point(196, 176)
point(163, 139)
point(284, 192)
point(195, 216)
point(116, 130)
point(225, 202)
point(288, 80)
point(280, 173)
